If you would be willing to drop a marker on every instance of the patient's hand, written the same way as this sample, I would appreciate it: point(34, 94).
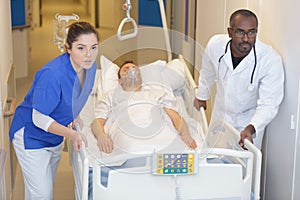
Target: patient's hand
point(188, 140)
point(105, 144)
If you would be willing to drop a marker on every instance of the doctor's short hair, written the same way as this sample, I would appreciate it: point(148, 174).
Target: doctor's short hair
point(126, 62)
point(79, 28)
point(243, 12)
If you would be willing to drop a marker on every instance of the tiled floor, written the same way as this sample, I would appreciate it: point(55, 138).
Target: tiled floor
point(42, 51)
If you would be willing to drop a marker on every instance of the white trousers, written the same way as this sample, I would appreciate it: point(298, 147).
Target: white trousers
point(39, 167)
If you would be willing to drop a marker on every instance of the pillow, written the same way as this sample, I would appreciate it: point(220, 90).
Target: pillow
point(109, 75)
point(170, 75)
point(96, 83)
point(152, 74)
point(175, 75)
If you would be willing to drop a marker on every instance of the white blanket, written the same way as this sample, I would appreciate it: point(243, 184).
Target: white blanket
point(152, 132)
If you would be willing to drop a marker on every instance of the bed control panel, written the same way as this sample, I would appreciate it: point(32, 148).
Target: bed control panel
point(175, 163)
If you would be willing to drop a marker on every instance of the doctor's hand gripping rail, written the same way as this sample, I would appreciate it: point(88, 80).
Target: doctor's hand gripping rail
point(224, 135)
point(61, 29)
point(127, 7)
point(257, 160)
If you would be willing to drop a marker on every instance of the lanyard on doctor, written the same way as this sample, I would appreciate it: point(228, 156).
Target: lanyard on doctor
point(251, 86)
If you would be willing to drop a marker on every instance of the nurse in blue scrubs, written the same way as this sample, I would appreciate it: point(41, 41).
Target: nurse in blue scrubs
point(59, 91)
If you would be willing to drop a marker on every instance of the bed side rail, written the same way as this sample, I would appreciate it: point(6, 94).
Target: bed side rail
point(80, 165)
point(190, 93)
point(232, 153)
point(222, 134)
point(257, 161)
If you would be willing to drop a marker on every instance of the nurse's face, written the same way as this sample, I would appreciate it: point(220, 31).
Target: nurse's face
point(243, 35)
point(84, 51)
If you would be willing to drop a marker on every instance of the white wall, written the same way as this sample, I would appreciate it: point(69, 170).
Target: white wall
point(21, 52)
point(279, 27)
point(183, 43)
point(6, 61)
point(6, 45)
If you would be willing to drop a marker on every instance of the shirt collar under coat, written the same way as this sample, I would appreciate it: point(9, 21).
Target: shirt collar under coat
point(246, 62)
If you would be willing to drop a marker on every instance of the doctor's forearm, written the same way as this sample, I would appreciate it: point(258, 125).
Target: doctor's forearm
point(263, 116)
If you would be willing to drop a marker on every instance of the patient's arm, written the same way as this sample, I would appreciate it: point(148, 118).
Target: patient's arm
point(181, 126)
point(104, 143)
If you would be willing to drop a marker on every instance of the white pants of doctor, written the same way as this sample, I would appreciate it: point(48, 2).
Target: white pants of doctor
point(39, 167)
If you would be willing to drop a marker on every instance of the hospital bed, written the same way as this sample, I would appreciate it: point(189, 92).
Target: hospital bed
point(225, 171)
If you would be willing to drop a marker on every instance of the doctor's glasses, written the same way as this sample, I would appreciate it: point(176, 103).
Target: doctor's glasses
point(240, 33)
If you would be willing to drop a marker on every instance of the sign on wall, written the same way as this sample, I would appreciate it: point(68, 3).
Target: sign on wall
point(18, 16)
point(149, 13)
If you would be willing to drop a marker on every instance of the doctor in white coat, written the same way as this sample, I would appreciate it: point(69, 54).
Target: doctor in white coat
point(249, 78)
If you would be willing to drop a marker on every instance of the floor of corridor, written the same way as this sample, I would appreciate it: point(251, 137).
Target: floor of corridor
point(42, 50)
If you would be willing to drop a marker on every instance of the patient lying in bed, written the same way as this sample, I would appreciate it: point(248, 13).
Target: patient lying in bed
point(135, 118)
point(139, 118)
point(126, 128)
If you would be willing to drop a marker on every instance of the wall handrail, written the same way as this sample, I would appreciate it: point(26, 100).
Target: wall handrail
point(21, 27)
point(2, 163)
point(10, 107)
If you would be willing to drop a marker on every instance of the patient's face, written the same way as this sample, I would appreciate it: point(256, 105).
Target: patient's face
point(124, 69)
point(130, 77)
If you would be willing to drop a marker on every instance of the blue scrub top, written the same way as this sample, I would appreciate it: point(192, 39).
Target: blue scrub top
point(56, 92)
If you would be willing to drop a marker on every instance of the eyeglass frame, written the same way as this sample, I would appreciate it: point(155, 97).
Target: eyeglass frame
point(242, 33)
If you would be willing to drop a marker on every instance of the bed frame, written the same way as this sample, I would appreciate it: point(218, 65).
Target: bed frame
point(237, 180)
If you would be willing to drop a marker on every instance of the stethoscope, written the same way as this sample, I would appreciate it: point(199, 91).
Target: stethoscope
point(250, 86)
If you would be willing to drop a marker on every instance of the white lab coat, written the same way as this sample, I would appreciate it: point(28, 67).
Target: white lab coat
point(233, 101)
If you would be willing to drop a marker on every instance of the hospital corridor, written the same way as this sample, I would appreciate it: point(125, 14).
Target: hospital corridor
point(177, 99)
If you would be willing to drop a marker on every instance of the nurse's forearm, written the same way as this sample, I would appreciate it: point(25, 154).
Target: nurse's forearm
point(61, 130)
point(40, 120)
point(48, 124)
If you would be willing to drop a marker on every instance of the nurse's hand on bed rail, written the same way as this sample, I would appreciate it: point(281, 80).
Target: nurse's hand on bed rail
point(78, 139)
point(247, 133)
point(77, 124)
point(199, 103)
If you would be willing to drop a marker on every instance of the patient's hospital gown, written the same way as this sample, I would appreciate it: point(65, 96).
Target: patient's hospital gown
point(137, 122)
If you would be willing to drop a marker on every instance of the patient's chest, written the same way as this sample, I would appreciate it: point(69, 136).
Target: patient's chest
point(139, 108)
